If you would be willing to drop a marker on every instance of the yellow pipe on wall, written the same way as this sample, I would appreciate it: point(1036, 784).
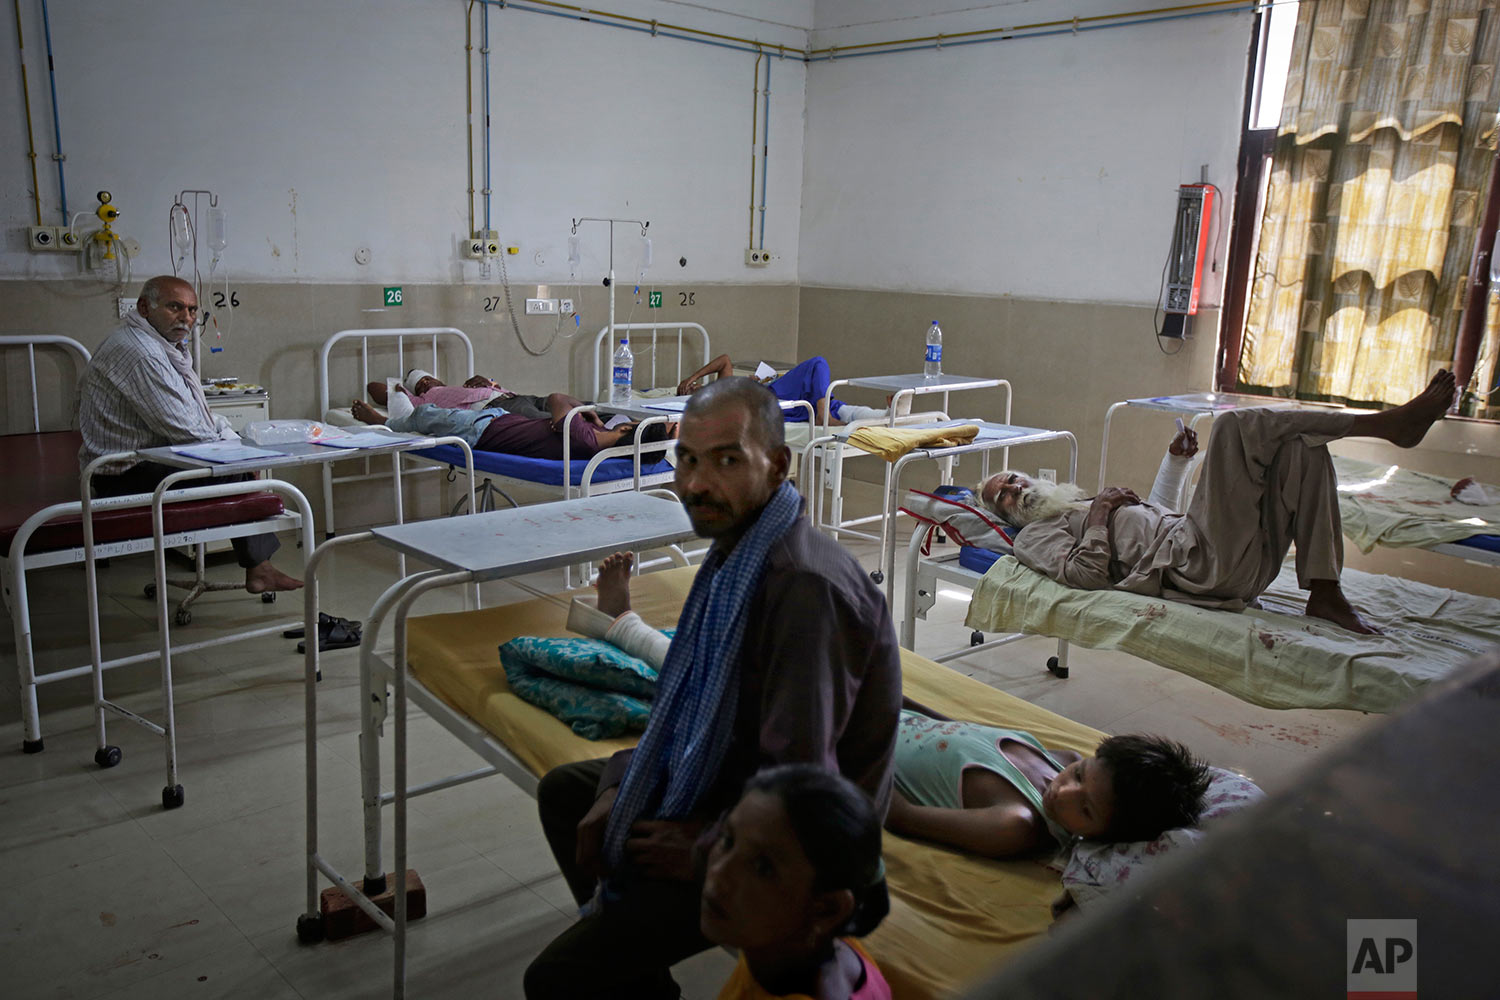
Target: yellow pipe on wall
point(36, 191)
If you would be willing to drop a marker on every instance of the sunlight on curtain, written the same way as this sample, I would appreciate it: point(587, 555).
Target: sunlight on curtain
point(1376, 186)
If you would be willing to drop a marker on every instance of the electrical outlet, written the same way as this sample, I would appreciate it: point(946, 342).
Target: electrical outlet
point(68, 240)
point(41, 238)
point(1047, 475)
point(473, 247)
point(125, 305)
point(757, 258)
point(541, 307)
point(492, 248)
point(566, 306)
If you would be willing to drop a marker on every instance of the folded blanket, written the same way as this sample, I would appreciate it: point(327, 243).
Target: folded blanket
point(890, 443)
point(597, 689)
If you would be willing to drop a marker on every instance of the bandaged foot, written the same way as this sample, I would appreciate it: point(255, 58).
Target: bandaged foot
point(903, 406)
point(849, 413)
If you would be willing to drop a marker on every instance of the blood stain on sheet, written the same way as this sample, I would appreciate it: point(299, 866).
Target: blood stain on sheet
point(1151, 612)
point(185, 923)
point(1266, 639)
point(107, 919)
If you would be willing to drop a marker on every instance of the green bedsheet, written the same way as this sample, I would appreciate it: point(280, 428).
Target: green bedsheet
point(1275, 656)
point(1388, 505)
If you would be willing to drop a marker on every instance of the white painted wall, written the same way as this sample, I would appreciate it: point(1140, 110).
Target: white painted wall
point(334, 125)
point(1042, 168)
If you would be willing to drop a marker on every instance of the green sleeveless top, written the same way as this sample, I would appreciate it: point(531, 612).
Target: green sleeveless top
point(932, 755)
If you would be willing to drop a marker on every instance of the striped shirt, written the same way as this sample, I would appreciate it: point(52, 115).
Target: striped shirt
point(133, 396)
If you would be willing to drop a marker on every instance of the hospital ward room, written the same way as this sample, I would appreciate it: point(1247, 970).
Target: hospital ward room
point(835, 499)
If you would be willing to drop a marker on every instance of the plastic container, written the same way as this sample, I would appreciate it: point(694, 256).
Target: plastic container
point(622, 371)
point(932, 365)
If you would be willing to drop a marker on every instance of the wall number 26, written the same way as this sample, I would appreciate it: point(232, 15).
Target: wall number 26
point(221, 300)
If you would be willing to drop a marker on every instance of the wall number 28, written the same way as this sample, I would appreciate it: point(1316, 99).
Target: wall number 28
point(687, 298)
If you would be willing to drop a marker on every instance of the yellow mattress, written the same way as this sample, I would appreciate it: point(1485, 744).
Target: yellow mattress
point(953, 917)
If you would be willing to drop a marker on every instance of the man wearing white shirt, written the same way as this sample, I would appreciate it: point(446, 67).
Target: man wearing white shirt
point(140, 391)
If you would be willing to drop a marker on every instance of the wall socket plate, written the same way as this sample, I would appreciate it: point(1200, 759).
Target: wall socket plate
point(757, 258)
point(565, 306)
point(473, 247)
point(41, 239)
point(125, 306)
point(541, 307)
point(1047, 475)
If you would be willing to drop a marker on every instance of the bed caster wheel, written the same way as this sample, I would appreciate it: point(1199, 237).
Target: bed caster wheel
point(107, 756)
point(182, 617)
point(269, 597)
point(150, 591)
point(31, 746)
point(976, 638)
point(171, 798)
point(1055, 670)
point(310, 928)
point(878, 576)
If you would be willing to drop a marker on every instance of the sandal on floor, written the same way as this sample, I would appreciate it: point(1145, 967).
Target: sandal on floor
point(338, 635)
point(325, 621)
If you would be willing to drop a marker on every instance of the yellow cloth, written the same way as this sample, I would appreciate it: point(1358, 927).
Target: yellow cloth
point(953, 918)
point(741, 985)
point(890, 443)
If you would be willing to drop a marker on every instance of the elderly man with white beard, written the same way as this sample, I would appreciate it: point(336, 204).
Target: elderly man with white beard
point(1267, 482)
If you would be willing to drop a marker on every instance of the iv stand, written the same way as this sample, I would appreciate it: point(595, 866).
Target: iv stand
point(611, 280)
point(213, 202)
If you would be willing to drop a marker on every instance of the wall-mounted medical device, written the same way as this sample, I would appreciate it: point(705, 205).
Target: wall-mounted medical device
point(1190, 250)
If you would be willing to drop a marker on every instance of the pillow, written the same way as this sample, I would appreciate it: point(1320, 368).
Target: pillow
point(598, 690)
point(958, 512)
point(1093, 870)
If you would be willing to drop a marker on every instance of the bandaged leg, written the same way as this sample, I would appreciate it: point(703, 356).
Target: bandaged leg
point(849, 413)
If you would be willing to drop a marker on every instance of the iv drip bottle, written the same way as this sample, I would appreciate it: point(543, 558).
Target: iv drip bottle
point(623, 369)
point(217, 230)
point(932, 366)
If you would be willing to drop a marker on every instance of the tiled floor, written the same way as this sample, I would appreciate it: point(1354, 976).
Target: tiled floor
point(113, 897)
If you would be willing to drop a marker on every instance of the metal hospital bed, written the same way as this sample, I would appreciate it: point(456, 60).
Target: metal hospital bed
point(449, 350)
point(953, 916)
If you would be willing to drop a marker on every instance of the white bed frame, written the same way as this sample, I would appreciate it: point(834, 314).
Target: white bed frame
point(386, 684)
point(451, 339)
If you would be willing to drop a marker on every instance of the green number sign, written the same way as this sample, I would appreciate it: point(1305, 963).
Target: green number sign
point(654, 302)
point(393, 296)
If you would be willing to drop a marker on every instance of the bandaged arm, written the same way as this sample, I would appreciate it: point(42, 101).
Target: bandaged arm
point(1168, 486)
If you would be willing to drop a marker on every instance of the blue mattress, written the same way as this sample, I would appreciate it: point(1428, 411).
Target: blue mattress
point(974, 558)
point(1490, 543)
point(542, 471)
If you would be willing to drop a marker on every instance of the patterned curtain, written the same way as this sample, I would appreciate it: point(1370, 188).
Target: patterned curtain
point(1377, 187)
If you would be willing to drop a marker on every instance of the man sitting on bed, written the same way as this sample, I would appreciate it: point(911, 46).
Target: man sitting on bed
point(140, 391)
point(1267, 482)
point(784, 653)
point(493, 429)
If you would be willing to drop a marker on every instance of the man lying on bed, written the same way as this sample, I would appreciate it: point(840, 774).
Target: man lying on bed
point(140, 390)
point(1267, 482)
point(784, 653)
point(493, 429)
point(477, 393)
point(808, 381)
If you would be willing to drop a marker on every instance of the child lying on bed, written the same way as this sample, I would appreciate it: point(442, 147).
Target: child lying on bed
point(1000, 793)
point(793, 877)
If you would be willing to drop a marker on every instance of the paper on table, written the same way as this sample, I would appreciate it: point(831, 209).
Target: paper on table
point(223, 451)
point(364, 439)
point(764, 371)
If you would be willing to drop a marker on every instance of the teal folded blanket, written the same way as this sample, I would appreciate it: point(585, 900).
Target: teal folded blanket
point(596, 688)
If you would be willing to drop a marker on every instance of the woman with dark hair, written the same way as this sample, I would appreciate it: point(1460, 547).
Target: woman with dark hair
point(794, 876)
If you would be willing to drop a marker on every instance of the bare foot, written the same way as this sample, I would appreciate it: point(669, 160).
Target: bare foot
point(1326, 600)
point(614, 583)
point(265, 577)
point(365, 413)
point(377, 392)
point(1406, 425)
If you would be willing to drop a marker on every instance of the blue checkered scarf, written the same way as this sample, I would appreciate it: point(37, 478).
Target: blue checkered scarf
point(692, 717)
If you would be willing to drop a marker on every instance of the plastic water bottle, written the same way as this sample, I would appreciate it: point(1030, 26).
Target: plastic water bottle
point(624, 368)
point(933, 366)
